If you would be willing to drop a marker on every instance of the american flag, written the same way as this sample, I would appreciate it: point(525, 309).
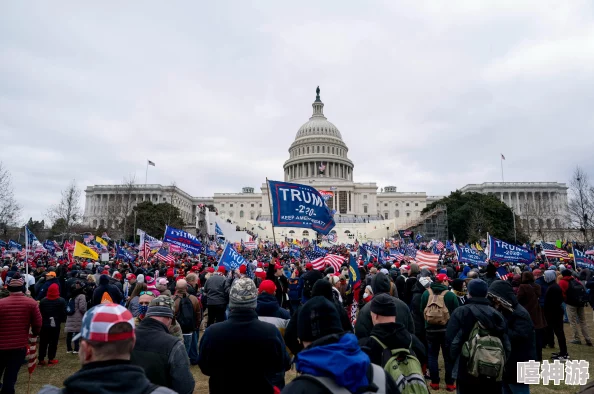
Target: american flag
point(313, 255)
point(440, 246)
point(88, 238)
point(427, 260)
point(333, 260)
point(552, 252)
point(31, 354)
point(304, 243)
point(396, 253)
point(163, 255)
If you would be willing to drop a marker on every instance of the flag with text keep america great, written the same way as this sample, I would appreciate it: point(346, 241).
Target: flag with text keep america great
point(295, 205)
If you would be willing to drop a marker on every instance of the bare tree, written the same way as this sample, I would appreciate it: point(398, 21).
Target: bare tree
point(68, 209)
point(9, 209)
point(536, 214)
point(478, 225)
point(171, 195)
point(581, 203)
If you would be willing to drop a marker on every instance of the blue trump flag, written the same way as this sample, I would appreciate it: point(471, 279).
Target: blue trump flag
point(230, 259)
point(502, 252)
point(182, 239)
point(295, 205)
point(582, 259)
point(470, 256)
point(3, 244)
point(49, 245)
point(124, 254)
point(218, 231)
point(363, 253)
point(14, 245)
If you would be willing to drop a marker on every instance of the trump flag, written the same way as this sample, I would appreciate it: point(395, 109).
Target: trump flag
point(295, 205)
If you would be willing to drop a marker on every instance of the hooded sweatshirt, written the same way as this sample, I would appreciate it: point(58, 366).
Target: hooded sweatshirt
point(519, 328)
point(123, 378)
point(105, 286)
point(53, 308)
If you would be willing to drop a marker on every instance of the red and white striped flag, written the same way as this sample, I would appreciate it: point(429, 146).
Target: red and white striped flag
point(427, 260)
point(32, 353)
point(333, 260)
point(249, 245)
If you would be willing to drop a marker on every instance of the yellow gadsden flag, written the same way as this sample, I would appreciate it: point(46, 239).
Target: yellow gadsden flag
point(101, 241)
point(85, 252)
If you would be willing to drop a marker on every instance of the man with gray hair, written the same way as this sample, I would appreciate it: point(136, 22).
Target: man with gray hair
point(188, 313)
point(162, 356)
point(242, 340)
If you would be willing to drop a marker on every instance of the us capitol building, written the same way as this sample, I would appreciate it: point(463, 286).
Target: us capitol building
point(319, 157)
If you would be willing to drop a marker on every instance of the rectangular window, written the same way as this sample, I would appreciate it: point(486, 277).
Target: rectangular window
point(231, 205)
point(407, 214)
point(385, 204)
point(364, 208)
point(252, 205)
point(416, 204)
point(342, 200)
point(365, 196)
point(386, 215)
point(407, 204)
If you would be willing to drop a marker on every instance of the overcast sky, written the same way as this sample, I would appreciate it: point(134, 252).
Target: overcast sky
point(427, 95)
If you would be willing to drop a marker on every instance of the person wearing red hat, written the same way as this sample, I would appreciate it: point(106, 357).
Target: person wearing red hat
point(242, 270)
point(53, 314)
point(438, 304)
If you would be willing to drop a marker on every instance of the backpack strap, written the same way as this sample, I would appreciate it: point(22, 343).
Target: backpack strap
point(379, 378)
point(328, 383)
point(151, 387)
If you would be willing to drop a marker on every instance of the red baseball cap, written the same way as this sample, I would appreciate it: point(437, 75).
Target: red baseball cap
point(309, 266)
point(195, 268)
point(242, 269)
point(259, 265)
point(210, 269)
point(441, 277)
point(370, 265)
point(267, 286)
point(130, 276)
point(277, 266)
point(221, 269)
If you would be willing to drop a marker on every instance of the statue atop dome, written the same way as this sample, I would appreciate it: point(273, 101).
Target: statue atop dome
point(318, 94)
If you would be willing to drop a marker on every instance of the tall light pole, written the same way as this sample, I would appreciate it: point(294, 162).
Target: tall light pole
point(514, 217)
point(134, 235)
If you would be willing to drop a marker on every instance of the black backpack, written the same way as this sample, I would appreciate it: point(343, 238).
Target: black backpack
point(70, 308)
point(576, 294)
point(186, 316)
point(307, 287)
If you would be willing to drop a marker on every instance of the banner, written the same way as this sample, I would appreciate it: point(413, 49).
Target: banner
point(218, 231)
point(230, 259)
point(470, 256)
point(124, 254)
point(101, 241)
point(50, 246)
point(14, 245)
point(295, 205)
point(503, 252)
point(183, 239)
point(85, 252)
point(326, 194)
point(582, 259)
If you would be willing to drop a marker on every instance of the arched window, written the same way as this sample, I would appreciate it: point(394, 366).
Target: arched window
point(95, 223)
point(532, 223)
point(102, 223)
point(365, 208)
point(347, 232)
point(291, 232)
point(231, 214)
point(549, 223)
point(557, 223)
point(397, 214)
point(305, 233)
point(252, 215)
point(241, 214)
point(332, 150)
point(323, 149)
point(318, 149)
point(540, 223)
point(386, 214)
point(308, 149)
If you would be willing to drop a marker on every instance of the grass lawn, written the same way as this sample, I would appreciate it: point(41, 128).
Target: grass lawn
point(68, 364)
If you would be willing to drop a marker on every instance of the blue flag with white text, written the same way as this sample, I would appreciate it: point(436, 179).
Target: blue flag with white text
point(470, 256)
point(218, 231)
point(14, 245)
point(502, 252)
point(583, 260)
point(230, 259)
point(182, 239)
point(295, 205)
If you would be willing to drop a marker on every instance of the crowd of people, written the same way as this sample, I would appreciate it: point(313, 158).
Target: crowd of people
point(138, 327)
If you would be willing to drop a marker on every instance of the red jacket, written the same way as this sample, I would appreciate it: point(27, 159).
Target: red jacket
point(19, 312)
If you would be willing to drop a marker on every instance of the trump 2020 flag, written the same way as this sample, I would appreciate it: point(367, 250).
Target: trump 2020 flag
point(503, 252)
point(230, 259)
point(183, 239)
point(218, 231)
point(582, 259)
point(295, 205)
point(470, 256)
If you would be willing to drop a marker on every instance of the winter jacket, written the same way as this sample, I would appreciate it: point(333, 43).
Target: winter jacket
point(310, 277)
point(520, 330)
point(415, 309)
point(364, 325)
point(268, 306)
point(74, 322)
point(19, 313)
point(294, 289)
point(543, 290)
point(393, 336)
point(104, 286)
point(243, 340)
point(107, 377)
point(409, 284)
point(590, 286)
point(553, 306)
point(458, 331)
point(528, 296)
point(339, 358)
point(195, 304)
point(53, 312)
point(162, 356)
point(43, 290)
point(449, 298)
point(400, 282)
point(214, 288)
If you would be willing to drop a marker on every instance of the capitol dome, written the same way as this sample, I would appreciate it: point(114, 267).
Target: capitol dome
point(318, 150)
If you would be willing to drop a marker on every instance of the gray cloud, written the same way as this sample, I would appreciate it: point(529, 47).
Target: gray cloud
point(426, 94)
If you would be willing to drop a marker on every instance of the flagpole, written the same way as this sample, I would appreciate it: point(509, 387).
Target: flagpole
point(146, 173)
point(26, 253)
point(501, 160)
point(270, 206)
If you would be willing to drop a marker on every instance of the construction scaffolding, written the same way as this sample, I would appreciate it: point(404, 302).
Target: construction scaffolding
point(431, 225)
